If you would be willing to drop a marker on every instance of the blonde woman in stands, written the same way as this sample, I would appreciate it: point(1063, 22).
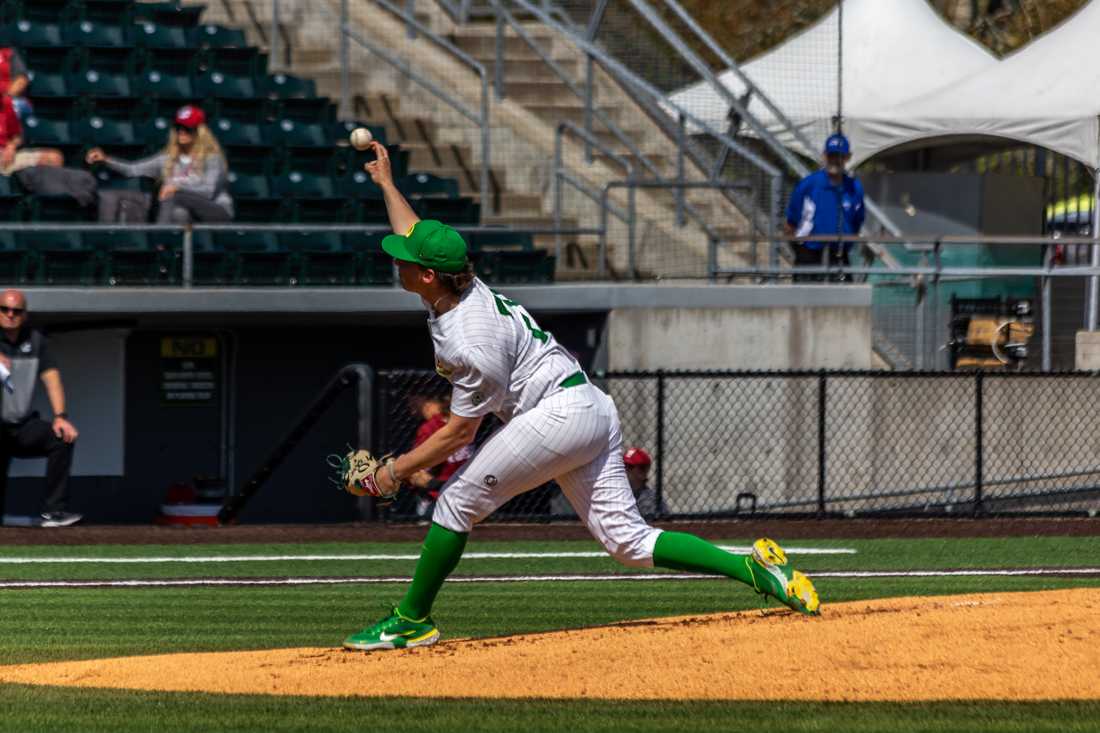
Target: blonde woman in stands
point(191, 169)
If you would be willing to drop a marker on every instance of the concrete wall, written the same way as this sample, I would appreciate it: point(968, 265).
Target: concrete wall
point(782, 337)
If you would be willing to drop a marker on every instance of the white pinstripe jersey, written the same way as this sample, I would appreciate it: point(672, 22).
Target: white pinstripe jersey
point(495, 356)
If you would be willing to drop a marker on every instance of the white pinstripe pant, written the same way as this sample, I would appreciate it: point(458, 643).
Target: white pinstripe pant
point(571, 436)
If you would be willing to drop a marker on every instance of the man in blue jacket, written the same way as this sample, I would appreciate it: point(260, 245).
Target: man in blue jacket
point(827, 201)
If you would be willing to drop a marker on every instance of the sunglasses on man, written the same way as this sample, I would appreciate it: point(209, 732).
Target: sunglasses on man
point(8, 311)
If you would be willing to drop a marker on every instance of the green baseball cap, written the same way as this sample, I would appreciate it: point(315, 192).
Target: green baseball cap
point(431, 244)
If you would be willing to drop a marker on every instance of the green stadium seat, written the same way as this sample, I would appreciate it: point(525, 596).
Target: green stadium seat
point(229, 132)
point(376, 268)
point(321, 211)
point(358, 186)
point(286, 86)
point(120, 12)
point(515, 267)
point(47, 84)
point(426, 184)
point(250, 159)
point(258, 258)
point(100, 84)
point(61, 258)
point(304, 185)
point(321, 258)
point(90, 33)
point(47, 11)
point(248, 186)
point(232, 61)
point(52, 59)
point(16, 261)
point(120, 109)
point(156, 36)
point(298, 134)
point(318, 161)
point(174, 61)
point(216, 84)
point(100, 131)
point(130, 258)
point(153, 132)
point(38, 131)
point(312, 110)
point(369, 211)
point(169, 13)
point(503, 239)
point(211, 264)
point(216, 36)
point(342, 130)
point(159, 84)
point(250, 110)
point(56, 209)
point(26, 34)
point(260, 211)
point(453, 211)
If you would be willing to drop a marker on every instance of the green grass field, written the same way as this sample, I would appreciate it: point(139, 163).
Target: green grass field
point(46, 624)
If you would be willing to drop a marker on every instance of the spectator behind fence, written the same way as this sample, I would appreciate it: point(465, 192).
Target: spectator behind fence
point(827, 201)
point(434, 413)
point(14, 81)
point(637, 463)
point(13, 159)
point(25, 357)
point(192, 172)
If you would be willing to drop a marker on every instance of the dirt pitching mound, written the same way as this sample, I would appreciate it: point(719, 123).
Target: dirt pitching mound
point(1012, 646)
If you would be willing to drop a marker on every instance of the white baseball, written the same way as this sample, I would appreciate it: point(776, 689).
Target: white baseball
point(360, 138)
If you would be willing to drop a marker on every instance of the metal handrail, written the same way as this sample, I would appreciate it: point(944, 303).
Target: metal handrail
point(480, 118)
point(561, 175)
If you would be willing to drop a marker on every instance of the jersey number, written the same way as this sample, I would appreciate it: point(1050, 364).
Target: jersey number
point(504, 305)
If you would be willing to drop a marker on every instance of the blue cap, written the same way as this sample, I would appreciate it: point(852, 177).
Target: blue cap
point(837, 144)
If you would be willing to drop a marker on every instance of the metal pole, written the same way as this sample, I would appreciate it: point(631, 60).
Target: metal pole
point(601, 267)
point(410, 14)
point(486, 154)
point(188, 258)
point(821, 447)
point(589, 75)
point(681, 139)
point(273, 56)
point(345, 53)
point(557, 196)
point(1094, 281)
point(498, 54)
point(660, 488)
point(1046, 305)
point(978, 467)
point(631, 198)
point(773, 224)
point(840, 67)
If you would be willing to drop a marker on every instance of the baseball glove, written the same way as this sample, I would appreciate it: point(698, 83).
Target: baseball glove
point(356, 473)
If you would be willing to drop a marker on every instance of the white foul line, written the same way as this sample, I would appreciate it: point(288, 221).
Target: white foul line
point(360, 557)
point(190, 582)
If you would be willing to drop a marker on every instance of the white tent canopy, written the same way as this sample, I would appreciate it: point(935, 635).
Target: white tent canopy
point(894, 51)
point(1044, 94)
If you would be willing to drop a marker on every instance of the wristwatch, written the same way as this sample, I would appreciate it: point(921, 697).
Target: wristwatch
point(63, 415)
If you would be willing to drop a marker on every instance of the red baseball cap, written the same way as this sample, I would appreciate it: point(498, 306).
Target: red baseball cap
point(636, 457)
point(190, 116)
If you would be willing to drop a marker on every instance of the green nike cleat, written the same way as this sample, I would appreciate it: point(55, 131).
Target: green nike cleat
point(772, 576)
point(394, 632)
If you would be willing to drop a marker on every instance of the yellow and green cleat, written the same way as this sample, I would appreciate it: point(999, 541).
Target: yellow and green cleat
point(394, 632)
point(772, 576)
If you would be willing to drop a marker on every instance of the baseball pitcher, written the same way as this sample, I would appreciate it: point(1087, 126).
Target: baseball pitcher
point(557, 426)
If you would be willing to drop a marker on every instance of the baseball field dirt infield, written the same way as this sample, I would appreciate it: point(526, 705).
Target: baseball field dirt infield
point(1006, 646)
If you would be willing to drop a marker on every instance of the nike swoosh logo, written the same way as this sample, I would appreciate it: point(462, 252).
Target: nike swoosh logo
point(390, 637)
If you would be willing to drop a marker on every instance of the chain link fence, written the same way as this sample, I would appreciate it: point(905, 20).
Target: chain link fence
point(738, 444)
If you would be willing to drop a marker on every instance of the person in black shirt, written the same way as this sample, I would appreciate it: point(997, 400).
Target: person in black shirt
point(25, 358)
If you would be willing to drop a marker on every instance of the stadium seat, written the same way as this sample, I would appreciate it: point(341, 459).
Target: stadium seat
point(358, 186)
point(130, 258)
point(211, 264)
point(90, 33)
point(229, 132)
point(515, 267)
point(174, 61)
point(47, 11)
point(376, 268)
point(504, 239)
point(298, 134)
point(120, 12)
point(156, 36)
point(453, 211)
point(259, 211)
point(26, 34)
point(247, 62)
point(155, 83)
point(426, 184)
point(214, 84)
point(250, 159)
point(16, 261)
point(60, 258)
point(285, 86)
point(321, 211)
point(369, 211)
point(258, 259)
point(38, 131)
point(100, 84)
point(321, 258)
point(216, 36)
point(251, 110)
point(47, 84)
point(314, 110)
point(248, 186)
point(100, 131)
point(304, 185)
point(56, 209)
point(169, 13)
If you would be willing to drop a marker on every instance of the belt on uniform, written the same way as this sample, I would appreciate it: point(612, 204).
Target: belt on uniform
point(573, 380)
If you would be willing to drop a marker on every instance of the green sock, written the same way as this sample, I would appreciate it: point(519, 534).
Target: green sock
point(682, 551)
point(441, 552)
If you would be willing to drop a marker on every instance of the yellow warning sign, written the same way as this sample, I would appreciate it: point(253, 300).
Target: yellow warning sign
point(188, 347)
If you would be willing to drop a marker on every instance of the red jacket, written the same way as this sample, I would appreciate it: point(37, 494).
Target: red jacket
point(9, 123)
